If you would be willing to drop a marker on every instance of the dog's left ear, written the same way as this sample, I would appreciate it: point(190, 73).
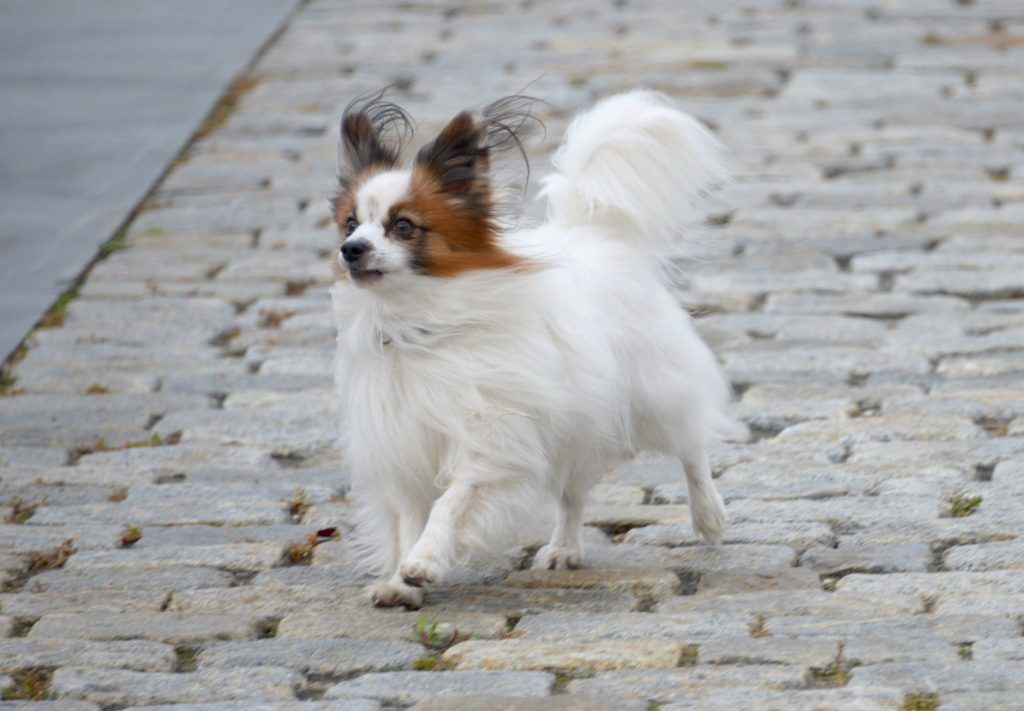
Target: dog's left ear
point(459, 159)
point(372, 131)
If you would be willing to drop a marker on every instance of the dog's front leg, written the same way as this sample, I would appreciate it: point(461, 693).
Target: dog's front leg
point(453, 524)
point(403, 528)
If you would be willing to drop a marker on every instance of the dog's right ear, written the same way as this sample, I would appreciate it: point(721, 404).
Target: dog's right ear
point(371, 137)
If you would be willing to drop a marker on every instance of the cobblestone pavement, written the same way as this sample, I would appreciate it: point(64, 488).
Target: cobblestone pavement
point(166, 443)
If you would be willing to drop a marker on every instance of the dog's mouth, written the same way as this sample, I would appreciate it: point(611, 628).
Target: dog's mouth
point(365, 276)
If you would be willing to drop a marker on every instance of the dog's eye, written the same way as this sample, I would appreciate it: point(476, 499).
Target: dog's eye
point(350, 226)
point(403, 228)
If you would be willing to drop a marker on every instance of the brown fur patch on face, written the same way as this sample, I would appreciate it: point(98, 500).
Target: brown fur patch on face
point(450, 239)
point(344, 207)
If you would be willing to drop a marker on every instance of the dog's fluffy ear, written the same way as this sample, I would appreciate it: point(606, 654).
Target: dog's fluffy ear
point(371, 137)
point(461, 156)
point(459, 159)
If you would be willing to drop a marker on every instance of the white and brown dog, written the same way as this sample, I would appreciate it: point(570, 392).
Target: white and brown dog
point(484, 372)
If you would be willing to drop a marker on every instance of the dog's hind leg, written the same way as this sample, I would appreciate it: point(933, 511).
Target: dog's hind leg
point(707, 510)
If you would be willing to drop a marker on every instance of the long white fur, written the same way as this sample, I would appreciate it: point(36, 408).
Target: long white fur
point(470, 401)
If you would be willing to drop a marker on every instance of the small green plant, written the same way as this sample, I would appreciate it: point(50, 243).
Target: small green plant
point(710, 64)
point(835, 674)
point(268, 627)
point(51, 560)
point(965, 651)
point(688, 657)
point(757, 628)
point(298, 553)
point(428, 634)
point(960, 504)
point(7, 379)
point(55, 316)
point(429, 663)
point(21, 510)
point(131, 535)
point(185, 659)
point(97, 389)
point(115, 244)
point(155, 440)
point(920, 702)
point(298, 504)
point(29, 685)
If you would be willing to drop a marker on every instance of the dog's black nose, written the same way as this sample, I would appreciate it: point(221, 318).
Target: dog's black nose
point(354, 249)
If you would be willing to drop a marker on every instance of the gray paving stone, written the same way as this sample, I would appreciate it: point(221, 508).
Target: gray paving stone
point(667, 685)
point(361, 623)
point(334, 658)
point(236, 556)
point(935, 585)
point(285, 431)
point(501, 703)
point(977, 604)
point(767, 700)
point(254, 705)
point(628, 626)
point(144, 579)
point(995, 700)
point(407, 687)
point(128, 688)
point(225, 512)
point(515, 602)
point(36, 604)
point(841, 604)
point(647, 585)
point(585, 657)
point(48, 706)
point(32, 456)
point(941, 678)
point(907, 557)
point(953, 628)
point(36, 539)
point(820, 652)
point(165, 627)
point(792, 534)
point(697, 559)
point(136, 655)
point(986, 556)
point(998, 649)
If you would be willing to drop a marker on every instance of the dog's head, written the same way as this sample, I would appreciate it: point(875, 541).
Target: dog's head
point(434, 217)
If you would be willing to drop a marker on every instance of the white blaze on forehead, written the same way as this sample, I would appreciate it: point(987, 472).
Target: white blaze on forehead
point(379, 193)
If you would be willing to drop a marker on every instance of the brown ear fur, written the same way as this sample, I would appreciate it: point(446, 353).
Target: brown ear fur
point(371, 137)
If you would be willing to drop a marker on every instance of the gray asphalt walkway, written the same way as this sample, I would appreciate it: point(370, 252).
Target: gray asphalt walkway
point(98, 98)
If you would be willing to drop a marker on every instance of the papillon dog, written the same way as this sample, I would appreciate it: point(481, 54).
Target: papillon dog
point(484, 372)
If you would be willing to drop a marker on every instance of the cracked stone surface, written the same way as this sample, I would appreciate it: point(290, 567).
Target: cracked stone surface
point(864, 292)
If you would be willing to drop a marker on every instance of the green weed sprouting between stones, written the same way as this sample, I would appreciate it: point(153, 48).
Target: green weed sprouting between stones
point(131, 535)
point(29, 685)
point(835, 674)
point(920, 702)
point(960, 504)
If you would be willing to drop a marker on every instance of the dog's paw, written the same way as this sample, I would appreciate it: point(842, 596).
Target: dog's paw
point(392, 593)
point(552, 557)
point(708, 514)
point(417, 572)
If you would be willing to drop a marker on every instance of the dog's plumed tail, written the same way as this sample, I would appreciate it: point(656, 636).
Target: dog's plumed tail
point(638, 167)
